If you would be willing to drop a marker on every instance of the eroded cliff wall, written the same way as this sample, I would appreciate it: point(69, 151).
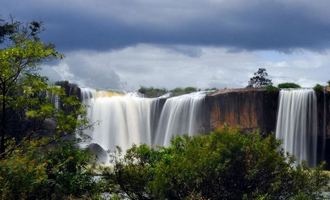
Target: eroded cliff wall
point(248, 109)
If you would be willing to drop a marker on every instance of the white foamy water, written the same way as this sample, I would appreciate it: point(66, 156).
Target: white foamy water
point(126, 119)
point(297, 123)
point(180, 115)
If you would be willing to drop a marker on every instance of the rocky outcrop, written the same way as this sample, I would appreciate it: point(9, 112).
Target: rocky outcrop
point(70, 88)
point(248, 109)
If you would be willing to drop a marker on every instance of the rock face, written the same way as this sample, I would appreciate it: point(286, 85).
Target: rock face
point(323, 116)
point(69, 88)
point(248, 109)
point(100, 154)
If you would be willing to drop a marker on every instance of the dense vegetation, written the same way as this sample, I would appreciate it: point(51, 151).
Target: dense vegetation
point(223, 165)
point(38, 155)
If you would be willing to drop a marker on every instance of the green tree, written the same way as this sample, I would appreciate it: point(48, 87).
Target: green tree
point(40, 170)
point(288, 85)
point(152, 92)
point(260, 79)
point(20, 85)
point(39, 157)
point(318, 88)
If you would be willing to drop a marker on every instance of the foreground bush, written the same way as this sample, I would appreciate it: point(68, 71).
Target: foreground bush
point(222, 165)
point(41, 170)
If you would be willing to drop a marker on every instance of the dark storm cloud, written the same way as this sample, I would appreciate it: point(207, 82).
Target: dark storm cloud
point(236, 24)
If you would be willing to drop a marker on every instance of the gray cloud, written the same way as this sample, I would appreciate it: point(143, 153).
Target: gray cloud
point(282, 25)
point(159, 66)
point(81, 68)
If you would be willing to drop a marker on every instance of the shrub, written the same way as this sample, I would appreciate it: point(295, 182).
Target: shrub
point(223, 165)
point(288, 85)
point(39, 170)
point(152, 92)
point(156, 92)
point(181, 91)
point(271, 88)
point(318, 88)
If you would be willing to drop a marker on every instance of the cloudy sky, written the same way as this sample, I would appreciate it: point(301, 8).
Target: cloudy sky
point(124, 44)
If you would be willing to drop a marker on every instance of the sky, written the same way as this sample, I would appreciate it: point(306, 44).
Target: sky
point(125, 44)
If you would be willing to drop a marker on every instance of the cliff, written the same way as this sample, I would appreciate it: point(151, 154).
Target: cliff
point(248, 109)
point(323, 130)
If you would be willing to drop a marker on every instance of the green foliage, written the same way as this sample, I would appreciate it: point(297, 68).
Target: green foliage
point(271, 88)
point(318, 88)
point(288, 85)
point(24, 94)
point(181, 91)
point(152, 92)
point(37, 158)
point(156, 92)
point(223, 165)
point(260, 79)
point(39, 169)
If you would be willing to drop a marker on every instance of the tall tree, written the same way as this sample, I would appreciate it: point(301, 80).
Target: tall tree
point(260, 79)
point(20, 84)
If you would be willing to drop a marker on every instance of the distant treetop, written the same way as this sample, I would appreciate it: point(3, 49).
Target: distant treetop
point(288, 85)
point(260, 79)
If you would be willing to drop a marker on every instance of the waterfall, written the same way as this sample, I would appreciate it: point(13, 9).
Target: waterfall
point(126, 119)
point(180, 115)
point(297, 124)
point(54, 98)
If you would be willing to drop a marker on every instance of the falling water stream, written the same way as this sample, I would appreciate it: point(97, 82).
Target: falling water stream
point(297, 123)
point(126, 119)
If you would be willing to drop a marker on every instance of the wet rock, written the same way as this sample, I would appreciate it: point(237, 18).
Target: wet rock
point(101, 155)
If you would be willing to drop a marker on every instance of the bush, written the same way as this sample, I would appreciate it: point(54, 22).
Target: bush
point(318, 88)
point(152, 92)
point(271, 88)
point(181, 91)
point(223, 165)
point(39, 170)
point(288, 85)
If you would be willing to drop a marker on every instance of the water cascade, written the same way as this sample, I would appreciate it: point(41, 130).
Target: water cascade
point(297, 124)
point(54, 98)
point(180, 115)
point(126, 119)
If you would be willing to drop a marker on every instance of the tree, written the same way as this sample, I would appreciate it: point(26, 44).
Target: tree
point(260, 79)
point(25, 96)
point(37, 159)
point(20, 55)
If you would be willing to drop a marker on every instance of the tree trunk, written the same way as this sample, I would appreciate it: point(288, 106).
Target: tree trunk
point(3, 122)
